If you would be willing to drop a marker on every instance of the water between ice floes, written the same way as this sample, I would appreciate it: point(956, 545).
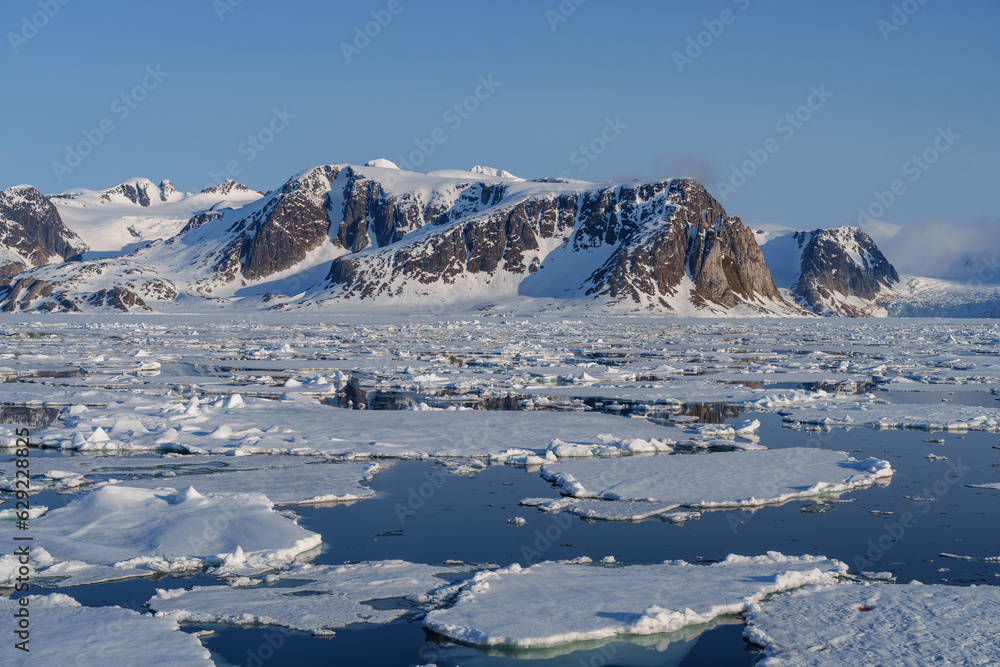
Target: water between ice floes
point(423, 514)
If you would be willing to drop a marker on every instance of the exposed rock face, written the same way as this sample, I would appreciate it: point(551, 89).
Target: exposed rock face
point(843, 272)
point(199, 220)
point(137, 192)
point(31, 232)
point(278, 236)
point(651, 240)
point(22, 293)
point(118, 298)
point(227, 187)
point(694, 236)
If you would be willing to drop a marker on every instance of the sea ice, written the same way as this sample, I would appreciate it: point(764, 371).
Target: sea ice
point(927, 417)
point(330, 597)
point(305, 484)
point(63, 632)
point(725, 479)
point(168, 530)
point(298, 425)
point(554, 603)
point(879, 624)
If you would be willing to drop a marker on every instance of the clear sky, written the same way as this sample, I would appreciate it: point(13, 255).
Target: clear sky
point(651, 89)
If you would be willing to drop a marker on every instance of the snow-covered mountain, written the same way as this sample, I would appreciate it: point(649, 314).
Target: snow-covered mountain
point(838, 271)
point(666, 246)
point(138, 211)
point(342, 234)
point(31, 232)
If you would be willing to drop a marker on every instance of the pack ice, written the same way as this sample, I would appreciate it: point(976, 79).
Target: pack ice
point(554, 603)
point(300, 425)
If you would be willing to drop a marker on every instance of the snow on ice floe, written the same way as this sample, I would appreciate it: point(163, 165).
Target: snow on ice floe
point(656, 485)
point(879, 624)
point(298, 425)
point(927, 417)
point(284, 480)
point(70, 472)
point(328, 597)
point(165, 530)
point(63, 631)
point(305, 484)
point(554, 603)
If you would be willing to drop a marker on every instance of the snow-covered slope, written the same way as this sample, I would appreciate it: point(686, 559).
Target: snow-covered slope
point(138, 211)
point(838, 271)
point(341, 234)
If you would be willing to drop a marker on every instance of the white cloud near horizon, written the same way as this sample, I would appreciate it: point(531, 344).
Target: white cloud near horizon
point(945, 250)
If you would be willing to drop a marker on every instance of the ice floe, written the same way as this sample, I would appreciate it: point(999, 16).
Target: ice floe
point(284, 480)
point(167, 530)
point(878, 624)
point(554, 603)
point(328, 598)
point(658, 484)
point(306, 484)
point(927, 417)
point(63, 631)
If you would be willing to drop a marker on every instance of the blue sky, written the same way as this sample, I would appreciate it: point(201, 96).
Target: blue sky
point(200, 77)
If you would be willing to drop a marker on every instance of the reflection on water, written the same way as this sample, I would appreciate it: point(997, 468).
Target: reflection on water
point(408, 643)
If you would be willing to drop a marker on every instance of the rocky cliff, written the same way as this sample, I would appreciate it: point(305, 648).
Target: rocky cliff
point(843, 272)
point(31, 232)
point(665, 246)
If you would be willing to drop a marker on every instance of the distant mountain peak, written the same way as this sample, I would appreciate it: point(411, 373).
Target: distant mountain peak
point(491, 171)
point(381, 163)
point(167, 190)
point(228, 187)
point(836, 271)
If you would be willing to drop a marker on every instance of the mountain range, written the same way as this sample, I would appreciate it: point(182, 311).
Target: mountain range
point(346, 238)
